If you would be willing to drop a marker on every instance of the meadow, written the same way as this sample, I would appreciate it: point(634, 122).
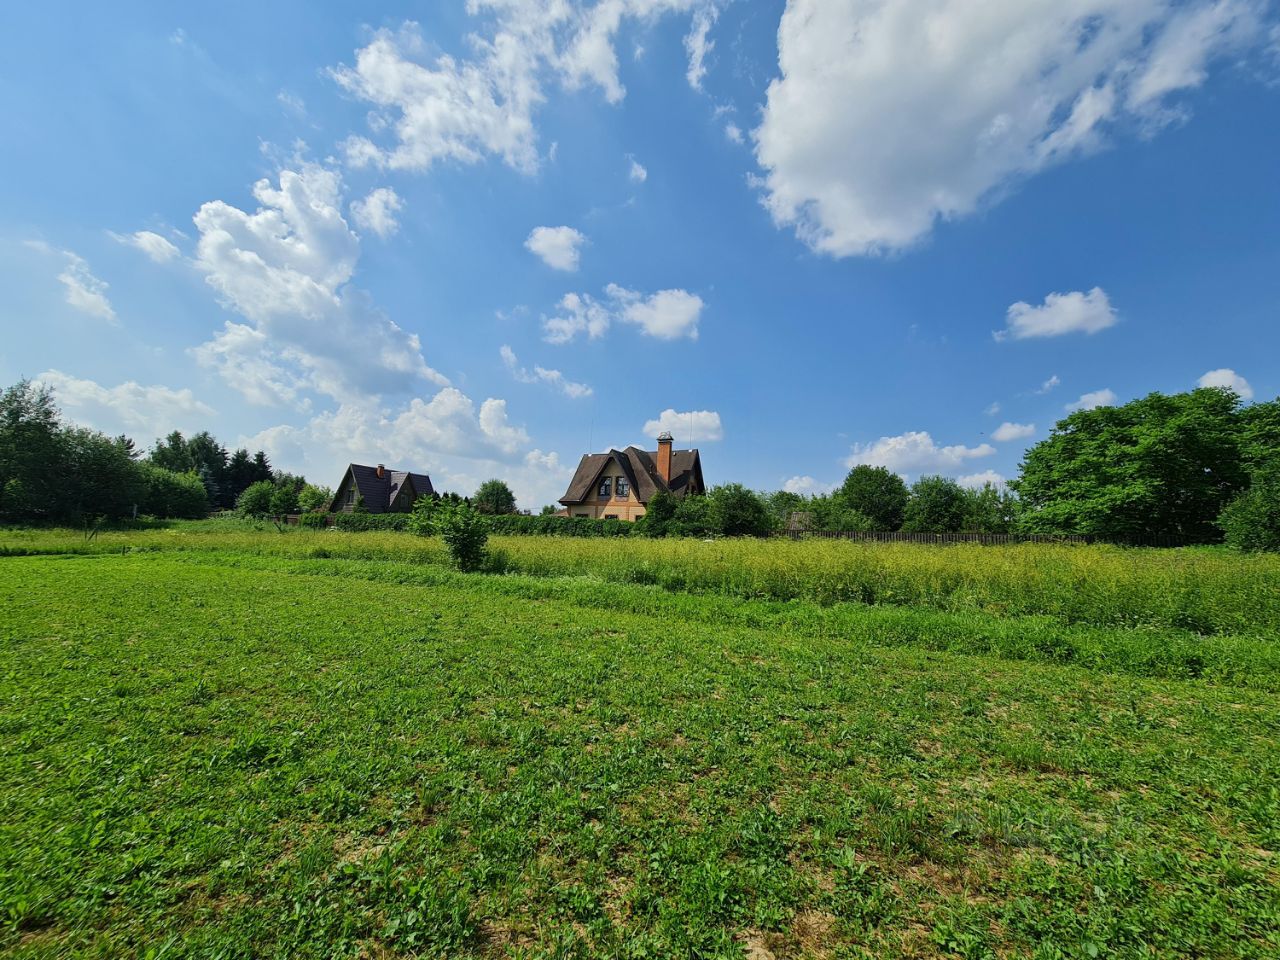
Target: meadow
point(217, 741)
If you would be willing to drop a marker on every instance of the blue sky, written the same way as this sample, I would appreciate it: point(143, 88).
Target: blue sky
point(482, 240)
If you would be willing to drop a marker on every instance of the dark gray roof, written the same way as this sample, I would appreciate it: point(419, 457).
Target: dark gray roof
point(641, 469)
point(379, 493)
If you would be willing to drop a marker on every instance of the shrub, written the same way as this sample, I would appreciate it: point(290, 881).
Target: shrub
point(314, 498)
point(660, 511)
point(172, 495)
point(255, 501)
point(356, 522)
point(1252, 521)
point(316, 519)
point(738, 512)
point(465, 533)
point(284, 499)
point(694, 517)
point(422, 519)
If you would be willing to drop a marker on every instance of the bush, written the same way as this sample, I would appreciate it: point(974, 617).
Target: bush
point(179, 496)
point(465, 533)
point(937, 505)
point(659, 514)
point(284, 499)
point(315, 520)
point(255, 501)
point(519, 525)
point(694, 517)
point(422, 519)
point(738, 512)
point(1251, 522)
point(356, 522)
point(313, 498)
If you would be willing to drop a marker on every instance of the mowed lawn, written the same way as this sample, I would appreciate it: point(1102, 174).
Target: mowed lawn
point(215, 755)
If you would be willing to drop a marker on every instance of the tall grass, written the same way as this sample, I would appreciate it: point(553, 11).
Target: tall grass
point(1204, 591)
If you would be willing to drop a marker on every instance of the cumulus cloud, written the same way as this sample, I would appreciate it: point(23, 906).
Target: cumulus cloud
point(976, 481)
point(666, 315)
point(377, 212)
point(915, 452)
point(1013, 431)
point(733, 132)
point(1049, 384)
point(462, 109)
point(698, 46)
point(891, 115)
point(153, 410)
point(82, 289)
point(1091, 401)
point(806, 486)
point(153, 245)
point(993, 409)
point(554, 378)
point(286, 268)
point(1229, 379)
point(244, 359)
point(558, 247)
point(691, 426)
point(1061, 313)
point(636, 172)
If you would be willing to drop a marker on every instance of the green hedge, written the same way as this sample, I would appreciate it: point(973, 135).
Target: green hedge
point(371, 521)
point(552, 526)
point(315, 519)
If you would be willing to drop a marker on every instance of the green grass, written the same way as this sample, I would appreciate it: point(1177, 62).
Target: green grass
point(224, 745)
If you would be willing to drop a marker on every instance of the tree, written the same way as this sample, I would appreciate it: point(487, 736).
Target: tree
point(549, 510)
point(261, 468)
point(494, 498)
point(738, 512)
point(659, 514)
point(312, 498)
point(694, 517)
point(240, 474)
point(465, 532)
point(426, 511)
point(1157, 465)
point(937, 505)
point(255, 500)
point(877, 493)
point(98, 477)
point(30, 450)
point(1252, 521)
point(284, 499)
point(172, 454)
point(172, 495)
point(990, 510)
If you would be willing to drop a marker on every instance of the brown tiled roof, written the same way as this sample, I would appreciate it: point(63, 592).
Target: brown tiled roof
point(379, 493)
point(641, 470)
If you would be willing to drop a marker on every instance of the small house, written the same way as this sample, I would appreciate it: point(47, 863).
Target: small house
point(380, 489)
point(619, 484)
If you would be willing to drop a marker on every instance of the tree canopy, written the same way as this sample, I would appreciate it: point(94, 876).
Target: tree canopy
point(494, 497)
point(876, 493)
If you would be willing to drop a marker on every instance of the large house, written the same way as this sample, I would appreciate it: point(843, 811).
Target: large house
point(618, 484)
point(380, 489)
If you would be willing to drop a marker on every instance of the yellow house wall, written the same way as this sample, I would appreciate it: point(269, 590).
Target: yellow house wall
point(597, 507)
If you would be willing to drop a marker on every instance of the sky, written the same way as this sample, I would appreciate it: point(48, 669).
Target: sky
point(482, 239)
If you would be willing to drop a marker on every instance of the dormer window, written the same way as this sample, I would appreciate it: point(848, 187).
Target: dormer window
point(606, 487)
point(623, 488)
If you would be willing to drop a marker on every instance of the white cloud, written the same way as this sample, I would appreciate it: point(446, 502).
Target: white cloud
point(1061, 313)
point(1091, 401)
point(733, 132)
point(243, 357)
point(667, 314)
point(377, 211)
point(1049, 384)
point(558, 247)
point(686, 427)
point(1230, 379)
point(636, 172)
point(915, 452)
point(286, 267)
point(464, 109)
point(890, 115)
point(555, 378)
point(697, 45)
point(976, 481)
point(1013, 431)
point(154, 410)
point(993, 409)
point(153, 245)
point(84, 291)
point(806, 486)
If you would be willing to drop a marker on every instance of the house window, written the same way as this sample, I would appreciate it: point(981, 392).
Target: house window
point(351, 496)
point(623, 488)
point(606, 487)
point(611, 516)
point(582, 514)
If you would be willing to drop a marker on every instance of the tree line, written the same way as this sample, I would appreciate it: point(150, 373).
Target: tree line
point(52, 471)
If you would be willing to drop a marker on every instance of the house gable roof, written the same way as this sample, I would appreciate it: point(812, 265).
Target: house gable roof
point(379, 493)
point(641, 470)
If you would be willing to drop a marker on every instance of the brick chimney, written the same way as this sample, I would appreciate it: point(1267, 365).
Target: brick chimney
point(664, 456)
point(381, 470)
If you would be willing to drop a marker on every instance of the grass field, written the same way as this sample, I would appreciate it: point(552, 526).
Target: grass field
point(228, 743)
